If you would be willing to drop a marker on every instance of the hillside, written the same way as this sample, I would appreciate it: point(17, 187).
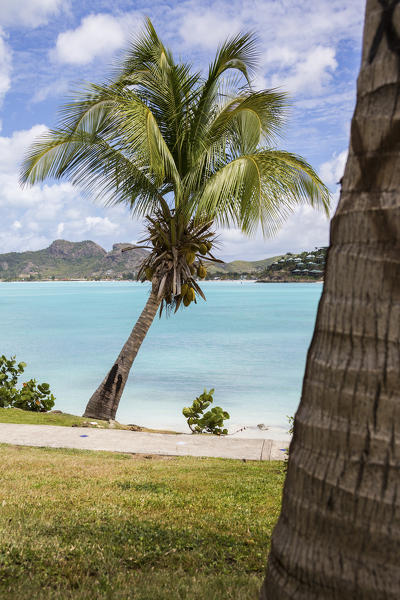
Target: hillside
point(306, 266)
point(71, 260)
point(239, 268)
point(87, 260)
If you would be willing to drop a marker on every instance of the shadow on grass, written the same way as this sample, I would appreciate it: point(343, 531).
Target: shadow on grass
point(103, 557)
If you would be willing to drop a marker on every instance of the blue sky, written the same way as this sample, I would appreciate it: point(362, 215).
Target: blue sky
point(311, 50)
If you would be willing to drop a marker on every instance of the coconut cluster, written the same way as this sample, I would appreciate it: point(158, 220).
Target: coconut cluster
point(179, 250)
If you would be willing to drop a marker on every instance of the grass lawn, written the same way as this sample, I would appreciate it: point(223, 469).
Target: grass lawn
point(27, 417)
point(95, 525)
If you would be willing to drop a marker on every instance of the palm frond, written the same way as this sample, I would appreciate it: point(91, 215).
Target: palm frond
point(262, 188)
point(237, 127)
point(251, 118)
point(91, 105)
point(127, 124)
point(144, 52)
point(238, 53)
point(91, 163)
point(140, 132)
point(167, 88)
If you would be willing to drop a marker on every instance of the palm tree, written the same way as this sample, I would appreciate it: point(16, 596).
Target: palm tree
point(189, 153)
point(338, 534)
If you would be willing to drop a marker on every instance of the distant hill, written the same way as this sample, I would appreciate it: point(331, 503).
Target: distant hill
point(306, 266)
point(88, 260)
point(71, 260)
point(239, 268)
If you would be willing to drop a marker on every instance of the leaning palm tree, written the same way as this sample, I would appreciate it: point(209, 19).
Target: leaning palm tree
point(338, 535)
point(187, 152)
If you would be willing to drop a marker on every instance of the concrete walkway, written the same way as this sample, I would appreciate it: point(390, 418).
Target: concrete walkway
point(135, 442)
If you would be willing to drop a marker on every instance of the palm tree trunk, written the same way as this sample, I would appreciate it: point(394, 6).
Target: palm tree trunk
point(105, 400)
point(338, 535)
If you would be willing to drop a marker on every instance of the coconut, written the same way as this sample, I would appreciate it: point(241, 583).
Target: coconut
point(201, 271)
point(203, 248)
point(191, 294)
point(184, 289)
point(149, 273)
point(190, 257)
point(186, 301)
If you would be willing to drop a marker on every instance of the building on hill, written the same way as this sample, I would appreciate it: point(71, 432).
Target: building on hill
point(305, 266)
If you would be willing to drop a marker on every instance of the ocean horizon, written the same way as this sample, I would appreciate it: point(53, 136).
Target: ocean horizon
point(248, 342)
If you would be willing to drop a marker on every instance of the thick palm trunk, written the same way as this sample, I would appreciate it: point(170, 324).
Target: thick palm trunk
point(338, 535)
point(104, 402)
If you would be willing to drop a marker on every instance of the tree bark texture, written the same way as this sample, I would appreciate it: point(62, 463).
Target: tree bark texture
point(105, 400)
point(338, 535)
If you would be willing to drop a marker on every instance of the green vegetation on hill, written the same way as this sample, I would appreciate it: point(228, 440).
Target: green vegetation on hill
point(80, 524)
point(306, 266)
point(87, 260)
point(239, 269)
point(70, 260)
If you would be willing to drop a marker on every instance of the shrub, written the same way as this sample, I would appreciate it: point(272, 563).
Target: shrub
point(35, 397)
point(290, 431)
point(210, 422)
point(9, 373)
point(32, 396)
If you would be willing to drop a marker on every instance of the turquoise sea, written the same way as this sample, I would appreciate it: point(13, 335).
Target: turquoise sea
point(248, 341)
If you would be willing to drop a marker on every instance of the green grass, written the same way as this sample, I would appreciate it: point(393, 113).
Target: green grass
point(79, 525)
point(14, 415)
point(26, 417)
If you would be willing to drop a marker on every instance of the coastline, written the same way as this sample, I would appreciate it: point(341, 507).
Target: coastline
point(240, 431)
point(290, 281)
point(58, 417)
point(238, 281)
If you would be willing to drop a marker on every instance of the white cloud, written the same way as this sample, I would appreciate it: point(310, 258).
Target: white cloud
point(309, 74)
point(12, 242)
point(13, 148)
point(332, 170)
point(329, 102)
point(208, 28)
point(30, 13)
point(73, 213)
point(98, 35)
point(5, 66)
point(304, 230)
point(100, 225)
point(32, 217)
point(54, 89)
point(299, 41)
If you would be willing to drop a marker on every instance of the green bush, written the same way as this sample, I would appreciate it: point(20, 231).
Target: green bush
point(35, 397)
point(9, 373)
point(32, 396)
point(210, 422)
point(290, 431)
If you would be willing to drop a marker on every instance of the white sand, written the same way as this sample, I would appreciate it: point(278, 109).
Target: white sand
point(253, 432)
